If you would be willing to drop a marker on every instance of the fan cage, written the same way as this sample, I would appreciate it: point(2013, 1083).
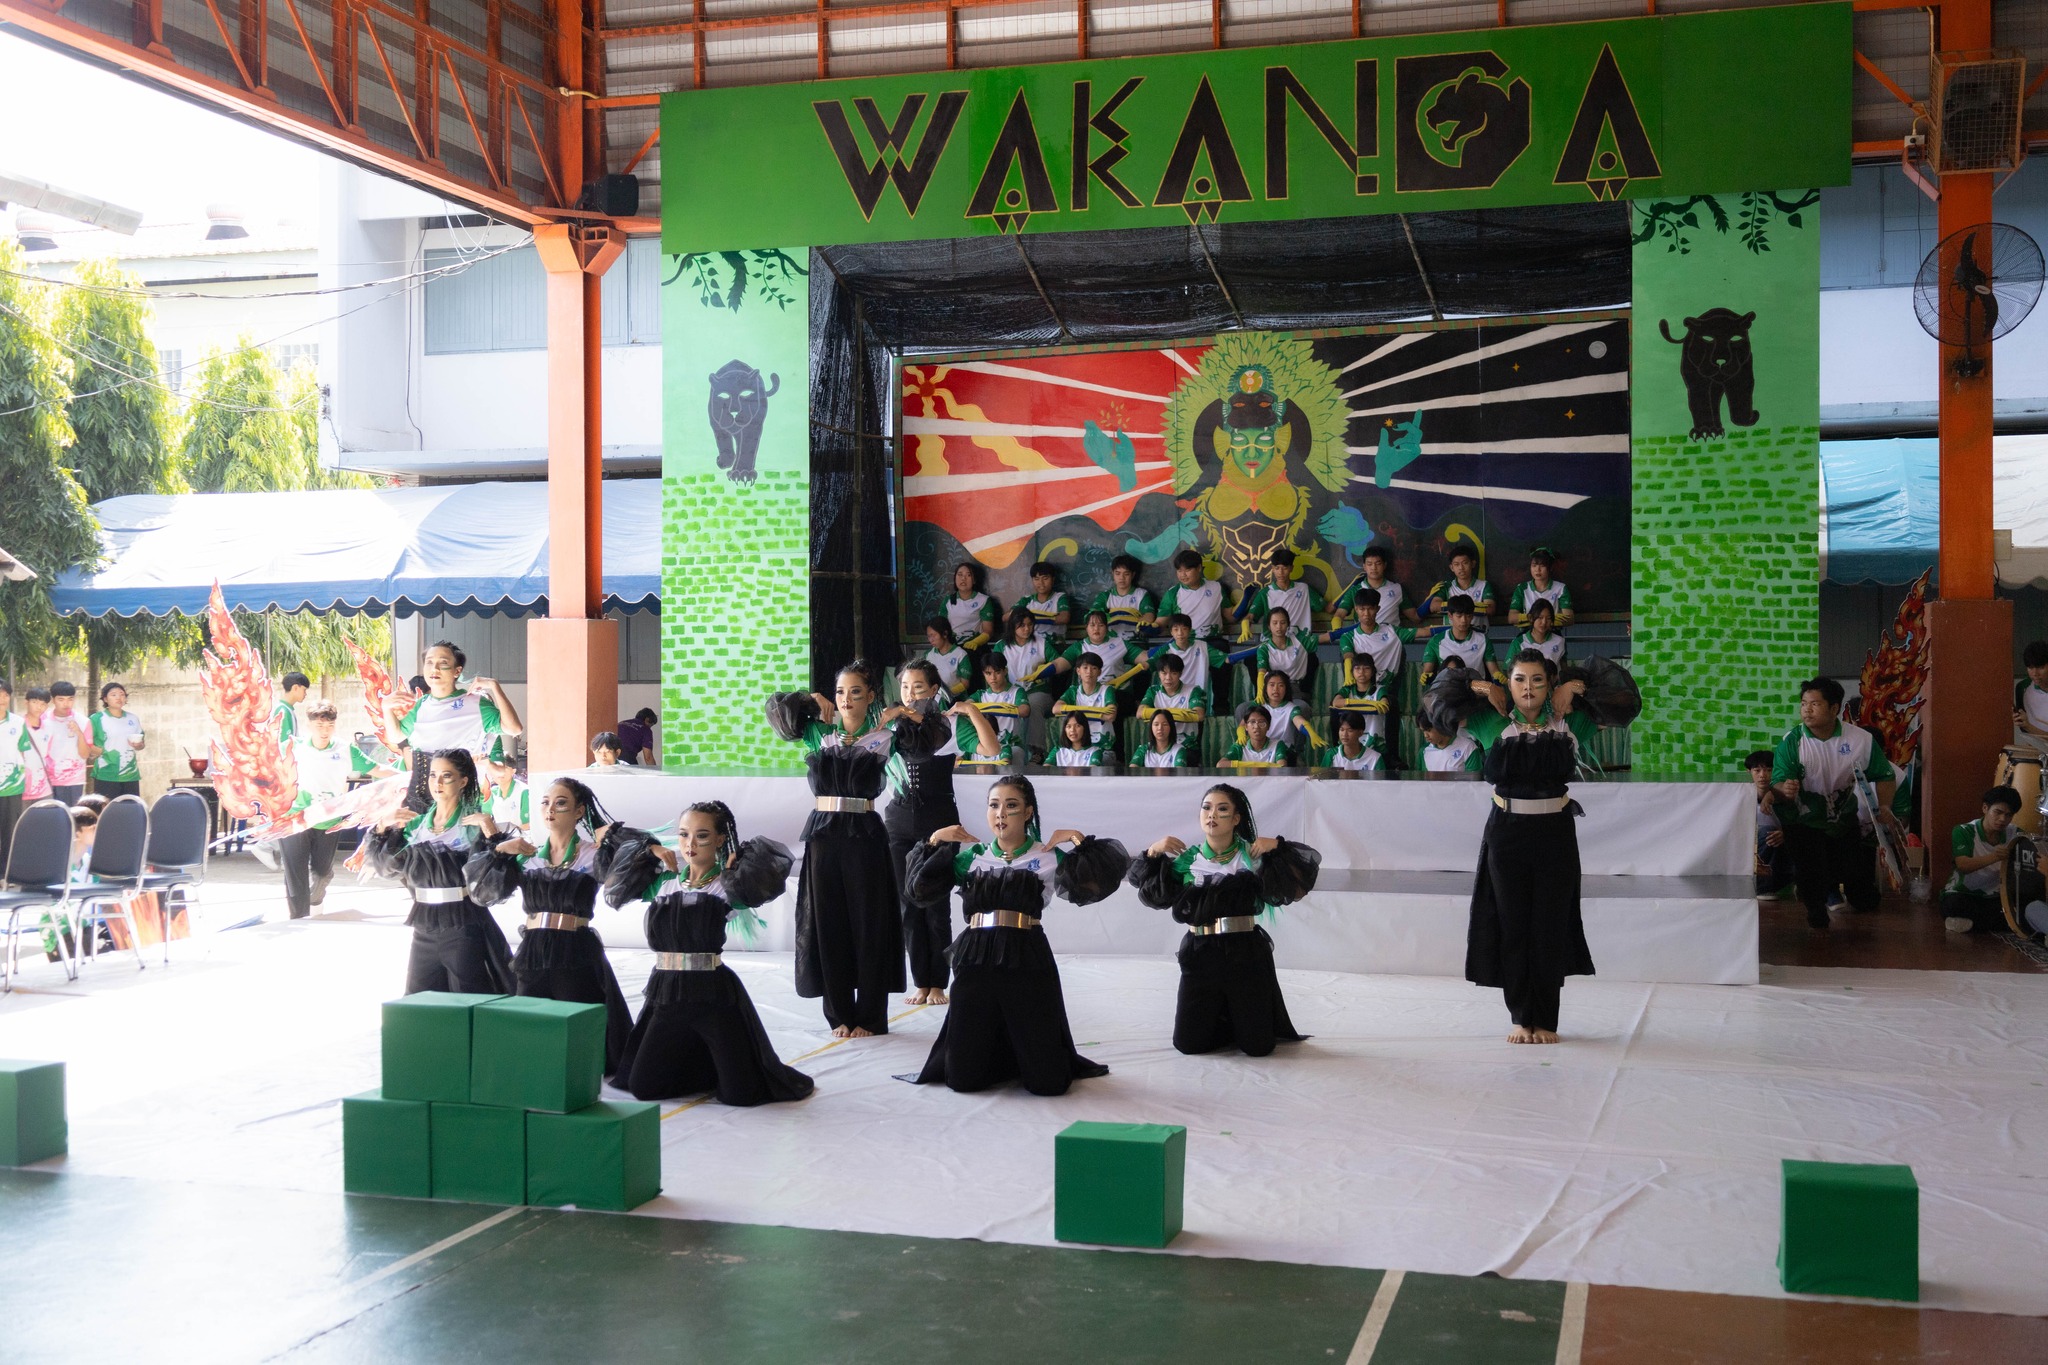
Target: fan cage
point(1977, 102)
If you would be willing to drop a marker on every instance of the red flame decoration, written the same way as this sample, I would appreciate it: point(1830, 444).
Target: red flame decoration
point(378, 684)
point(255, 777)
point(1895, 679)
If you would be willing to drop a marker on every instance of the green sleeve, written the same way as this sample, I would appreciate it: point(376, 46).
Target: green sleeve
point(1879, 769)
point(1583, 729)
point(1198, 699)
point(992, 611)
point(97, 726)
point(1233, 753)
point(1217, 657)
point(1430, 653)
point(1283, 752)
point(963, 860)
point(288, 725)
point(1518, 597)
point(1148, 604)
point(1785, 764)
point(1072, 696)
point(1170, 603)
point(409, 719)
point(1962, 842)
point(1315, 600)
point(1486, 727)
point(487, 711)
point(358, 761)
point(1564, 598)
point(813, 738)
point(1476, 763)
point(1150, 694)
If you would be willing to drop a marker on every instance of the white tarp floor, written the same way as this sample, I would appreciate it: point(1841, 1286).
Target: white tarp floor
point(1405, 1134)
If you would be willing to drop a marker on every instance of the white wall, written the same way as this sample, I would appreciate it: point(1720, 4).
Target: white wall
point(232, 314)
point(1872, 350)
point(363, 354)
point(493, 399)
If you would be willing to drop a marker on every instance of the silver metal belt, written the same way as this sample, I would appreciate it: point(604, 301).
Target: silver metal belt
point(553, 921)
point(438, 895)
point(1002, 919)
point(1546, 805)
point(1229, 924)
point(850, 805)
point(688, 962)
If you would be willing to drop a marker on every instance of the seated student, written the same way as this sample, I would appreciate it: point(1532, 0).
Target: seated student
point(1201, 663)
point(1006, 705)
point(1463, 582)
point(944, 652)
point(1166, 746)
point(1458, 643)
point(1368, 697)
point(972, 613)
point(1773, 861)
point(2030, 698)
point(606, 748)
point(1352, 752)
point(1279, 592)
point(1280, 649)
point(1050, 609)
point(1541, 587)
point(1259, 749)
point(1172, 694)
point(1128, 606)
point(1386, 645)
point(1286, 718)
point(1025, 652)
point(1121, 666)
point(1539, 636)
point(1200, 599)
point(506, 795)
point(1980, 847)
point(975, 736)
point(1393, 598)
point(1079, 747)
point(1445, 753)
point(1090, 698)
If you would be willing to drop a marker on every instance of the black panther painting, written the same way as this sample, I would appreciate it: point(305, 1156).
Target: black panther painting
point(739, 407)
point(1715, 362)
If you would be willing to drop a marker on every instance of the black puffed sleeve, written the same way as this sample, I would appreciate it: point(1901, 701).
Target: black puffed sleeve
point(386, 849)
point(790, 713)
point(1611, 697)
point(634, 867)
point(928, 872)
point(1157, 883)
point(1091, 871)
point(615, 836)
point(923, 732)
point(491, 877)
point(1450, 700)
point(1288, 873)
point(757, 873)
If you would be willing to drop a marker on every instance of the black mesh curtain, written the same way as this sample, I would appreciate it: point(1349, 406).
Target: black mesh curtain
point(872, 303)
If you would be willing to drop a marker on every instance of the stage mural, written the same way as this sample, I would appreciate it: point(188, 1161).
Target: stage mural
point(1497, 437)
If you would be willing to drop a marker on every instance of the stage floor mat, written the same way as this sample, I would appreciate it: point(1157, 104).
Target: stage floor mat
point(1405, 1134)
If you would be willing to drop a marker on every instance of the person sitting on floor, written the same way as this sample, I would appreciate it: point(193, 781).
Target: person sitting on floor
point(1443, 752)
point(1773, 862)
point(1980, 847)
point(2030, 698)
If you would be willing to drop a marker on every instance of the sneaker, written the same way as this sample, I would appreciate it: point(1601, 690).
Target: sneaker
point(1835, 900)
point(264, 853)
point(1959, 924)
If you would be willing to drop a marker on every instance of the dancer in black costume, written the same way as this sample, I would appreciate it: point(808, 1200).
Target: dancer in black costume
point(560, 956)
point(456, 945)
point(1229, 991)
point(699, 1030)
point(920, 801)
point(1008, 1018)
point(849, 932)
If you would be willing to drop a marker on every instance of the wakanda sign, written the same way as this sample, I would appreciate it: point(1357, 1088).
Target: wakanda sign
point(1655, 107)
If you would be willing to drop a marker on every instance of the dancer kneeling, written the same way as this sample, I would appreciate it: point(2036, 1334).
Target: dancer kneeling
point(699, 1030)
point(560, 956)
point(1008, 1018)
point(1229, 992)
point(456, 945)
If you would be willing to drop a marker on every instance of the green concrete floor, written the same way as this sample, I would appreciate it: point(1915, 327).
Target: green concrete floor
point(96, 1268)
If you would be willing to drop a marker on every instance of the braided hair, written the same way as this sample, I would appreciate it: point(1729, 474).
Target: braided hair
point(594, 814)
point(1247, 832)
point(419, 795)
point(721, 820)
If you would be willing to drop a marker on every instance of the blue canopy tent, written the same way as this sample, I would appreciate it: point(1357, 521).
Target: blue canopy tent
point(480, 547)
point(1881, 509)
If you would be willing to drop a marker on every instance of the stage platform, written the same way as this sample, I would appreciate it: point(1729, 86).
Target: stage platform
point(1667, 865)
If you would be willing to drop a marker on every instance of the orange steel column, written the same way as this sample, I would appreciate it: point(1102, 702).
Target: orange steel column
point(573, 653)
point(1967, 715)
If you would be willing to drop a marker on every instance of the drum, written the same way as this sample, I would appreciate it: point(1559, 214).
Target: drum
point(2020, 769)
point(2021, 885)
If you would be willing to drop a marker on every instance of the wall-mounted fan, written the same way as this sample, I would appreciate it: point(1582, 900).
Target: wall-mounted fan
point(1976, 286)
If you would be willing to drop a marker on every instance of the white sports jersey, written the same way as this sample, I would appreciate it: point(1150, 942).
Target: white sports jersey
point(1194, 662)
point(1203, 606)
point(1368, 760)
point(1832, 764)
point(1294, 599)
point(1453, 757)
point(1383, 647)
point(1470, 651)
point(964, 615)
point(1551, 649)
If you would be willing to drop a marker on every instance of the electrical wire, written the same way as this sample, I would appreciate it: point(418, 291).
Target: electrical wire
point(422, 276)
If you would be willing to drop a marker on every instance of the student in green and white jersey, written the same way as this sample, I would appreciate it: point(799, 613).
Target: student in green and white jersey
point(1006, 705)
point(1128, 606)
point(454, 715)
point(324, 765)
point(1540, 587)
point(1539, 636)
point(945, 653)
point(291, 690)
point(1090, 698)
point(1121, 664)
point(1351, 753)
point(117, 734)
point(1196, 597)
point(1050, 608)
point(1080, 747)
point(1280, 593)
point(1816, 769)
point(1385, 645)
point(1259, 748)
point(972, 613)
point(15, 755)
point(1286, 714)
point(1165, 745)
point(1463, 582)
point(1448, 753)
point(1981, 849)
point(1367, 697)
point(1458, 643)
point(506, 795)
point(1187, 704)
point(1395, 606)
point(2030, 698)
point(1201, 663)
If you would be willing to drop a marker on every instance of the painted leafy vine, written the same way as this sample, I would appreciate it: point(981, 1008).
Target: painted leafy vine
point(1673, 220)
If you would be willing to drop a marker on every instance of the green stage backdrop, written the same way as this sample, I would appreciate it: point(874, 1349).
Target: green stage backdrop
point(736, 503)
point(1669, 106)
point(1726, 447)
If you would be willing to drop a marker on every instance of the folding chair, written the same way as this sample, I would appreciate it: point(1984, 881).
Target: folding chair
point(38, 867)
point(119, 852)
point(178, 829)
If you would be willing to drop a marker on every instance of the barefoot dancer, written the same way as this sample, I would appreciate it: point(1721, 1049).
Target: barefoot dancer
point(699, 1030)
point(849, 932)
point(1229, 992)
point(1009, 1018)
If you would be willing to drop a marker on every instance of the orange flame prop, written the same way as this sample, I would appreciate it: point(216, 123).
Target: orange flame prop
point(256, 778)
point(378, 684)
point(1895, 679)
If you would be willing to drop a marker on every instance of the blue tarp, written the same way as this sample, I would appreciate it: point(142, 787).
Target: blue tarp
point(461, 548)
point(1883, 509)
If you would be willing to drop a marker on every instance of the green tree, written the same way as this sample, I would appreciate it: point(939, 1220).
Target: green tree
point(249, 429)
point(124, 436)
point(45, 521)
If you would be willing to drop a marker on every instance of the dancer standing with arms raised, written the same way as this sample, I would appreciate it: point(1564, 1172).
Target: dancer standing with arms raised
point(456, 945)
point(920, 801)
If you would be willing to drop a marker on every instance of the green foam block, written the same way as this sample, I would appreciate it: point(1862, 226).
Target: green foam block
point(386, 1146)
point(607, 1156)
point(1119, 1184)
point(479, 1153)
point(426, 1046)
point(529, 1053)
point(32, 1126)
point(1850, 1229)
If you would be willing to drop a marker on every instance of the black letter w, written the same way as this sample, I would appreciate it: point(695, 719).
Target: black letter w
point(891, 141)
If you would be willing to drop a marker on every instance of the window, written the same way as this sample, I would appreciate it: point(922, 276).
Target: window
point(171, 365)
point(499, 302)
point(290, 357)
